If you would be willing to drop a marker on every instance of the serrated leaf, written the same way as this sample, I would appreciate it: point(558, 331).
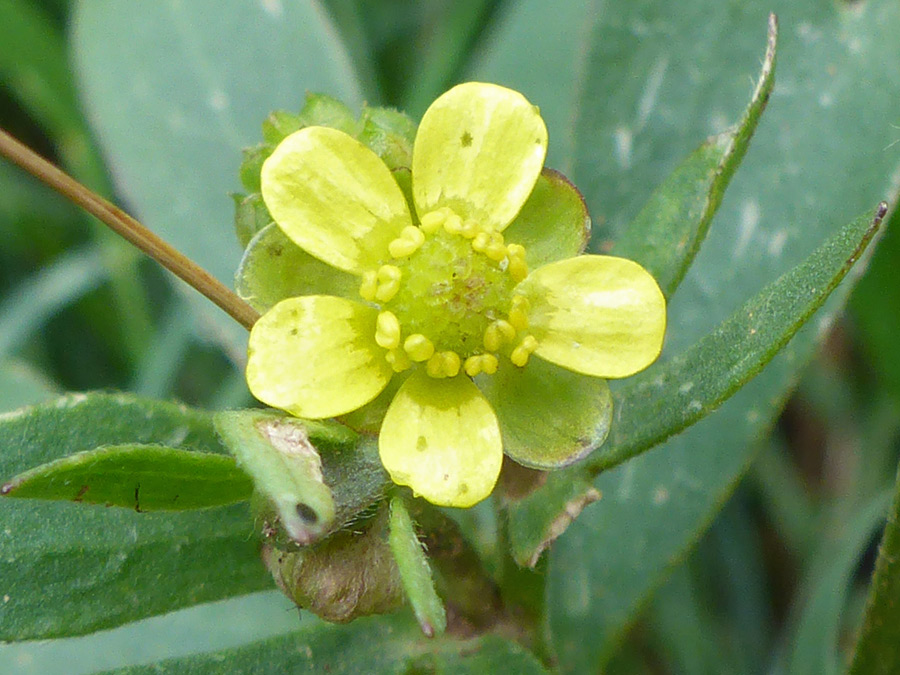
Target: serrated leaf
point(57, 555)
point(162, 67)
point(415, 572)
point(368, 645)
point(667, 233)
point(877, 648)
point(140, 477)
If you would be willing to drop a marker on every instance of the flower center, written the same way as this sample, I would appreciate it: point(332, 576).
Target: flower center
point(447, 298)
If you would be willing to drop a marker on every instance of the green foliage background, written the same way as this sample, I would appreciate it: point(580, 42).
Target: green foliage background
point(744, 544)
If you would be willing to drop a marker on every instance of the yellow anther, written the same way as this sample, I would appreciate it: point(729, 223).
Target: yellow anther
point(520, 354)
point(409, 241)
point(431, 222)
point(516, 251)
point(495, 250)
point(489, 364)
point(470, 228)
point(506, 330)
point(497, 333)
point(387, 330)
point(443, 364)
point(480, 363)
point(518, 269)
point(388, 282)
point(480, 242)
point(418, 347)
point(452, 363)
point(435, 367)
point(472, 365)
point(453, 224)
point(399, 360)
point(518, 313)
point(387, 291)
point(369, 285)
point(389, 273)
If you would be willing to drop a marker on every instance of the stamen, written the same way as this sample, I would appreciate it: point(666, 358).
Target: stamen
point(520, 354)
point(518, 313)
point(481, 363)
point(431, 222)
point(495, 250)
point(518, 268)
point(369, 285)
point(409, 241)
point(453, 224)
point(470, 228)
point(480, 242)
point(497, 333)
point(418, 347)
point(443, 364)
point(387, 330)
point(489, 364)
point(399, 360)
point(388, 282)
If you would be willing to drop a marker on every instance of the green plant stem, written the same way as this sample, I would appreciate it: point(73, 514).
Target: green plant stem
point(129, 228)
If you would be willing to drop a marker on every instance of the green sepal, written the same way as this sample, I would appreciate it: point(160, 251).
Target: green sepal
point(311, 476)
point(274, 268)
point(251, 165)
point(321, 110)
point(553, 224)
point(279, 124)
point(346, 576)
point(250, 216)
point(415, 572)
point(556, 416)
point(390, 134)
point(136, 476)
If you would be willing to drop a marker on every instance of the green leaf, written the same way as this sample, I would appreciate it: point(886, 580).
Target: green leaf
point(366, 646)
point(415, 572)
point(140, 477)
point(58, 555)
point(653, 79)
point(878, 646)
point(816, 620)
point(670, 396)
point(667, 233)
point(280, 454)
point(167, 72)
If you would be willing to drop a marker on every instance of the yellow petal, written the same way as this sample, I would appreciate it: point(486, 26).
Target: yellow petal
point(316, 356)
point(596, 315)
point(479, 150)
point(442, 439)
point(334, 198)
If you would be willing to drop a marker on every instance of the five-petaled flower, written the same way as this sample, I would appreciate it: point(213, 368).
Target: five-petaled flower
point(488, 355)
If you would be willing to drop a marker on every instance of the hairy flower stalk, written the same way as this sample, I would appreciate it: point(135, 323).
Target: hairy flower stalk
point(460, 288)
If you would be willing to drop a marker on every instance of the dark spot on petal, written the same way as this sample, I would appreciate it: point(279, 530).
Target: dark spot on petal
point(306, 513)
point(422, 444)
point(293, 331)
point(466, 139)
point(463, 488)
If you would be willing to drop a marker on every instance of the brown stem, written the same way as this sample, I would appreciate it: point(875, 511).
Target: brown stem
point(126, 226)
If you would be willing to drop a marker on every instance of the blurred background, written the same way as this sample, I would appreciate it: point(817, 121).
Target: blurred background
point(775, 569)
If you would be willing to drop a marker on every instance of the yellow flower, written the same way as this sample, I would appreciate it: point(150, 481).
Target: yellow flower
point(445, 299)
